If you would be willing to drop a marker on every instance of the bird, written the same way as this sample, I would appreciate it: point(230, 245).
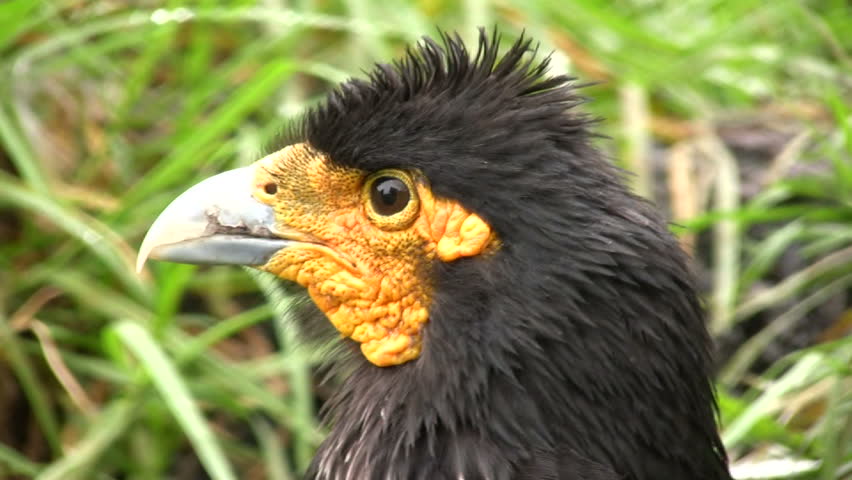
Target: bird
point(506, 307)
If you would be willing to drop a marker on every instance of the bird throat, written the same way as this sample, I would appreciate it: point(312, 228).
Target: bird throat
point(385, 308)
point(378, 298)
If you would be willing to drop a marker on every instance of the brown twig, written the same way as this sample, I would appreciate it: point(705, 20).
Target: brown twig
point(21, 318)
point(24, 319)
point(60, 370)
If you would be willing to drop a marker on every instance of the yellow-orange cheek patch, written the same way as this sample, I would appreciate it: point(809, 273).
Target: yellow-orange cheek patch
point(453, 231)
point(384, 313)
point(374, 285)
point(464, 238)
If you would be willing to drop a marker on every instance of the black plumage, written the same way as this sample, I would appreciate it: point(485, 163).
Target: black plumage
point(578, 349)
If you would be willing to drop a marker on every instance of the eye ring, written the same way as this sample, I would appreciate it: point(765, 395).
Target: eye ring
point(390, 199)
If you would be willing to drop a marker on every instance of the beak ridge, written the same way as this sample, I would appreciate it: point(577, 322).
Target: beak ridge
point(218, 221)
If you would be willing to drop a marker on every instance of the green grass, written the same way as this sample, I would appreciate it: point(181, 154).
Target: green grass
point(109, 109)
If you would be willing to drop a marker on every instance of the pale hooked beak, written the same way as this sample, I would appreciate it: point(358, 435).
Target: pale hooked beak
point(218, 222)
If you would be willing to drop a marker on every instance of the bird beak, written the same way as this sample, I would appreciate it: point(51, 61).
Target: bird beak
point(216, 222)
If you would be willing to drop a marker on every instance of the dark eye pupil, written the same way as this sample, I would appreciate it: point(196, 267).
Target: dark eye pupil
point(389, 195)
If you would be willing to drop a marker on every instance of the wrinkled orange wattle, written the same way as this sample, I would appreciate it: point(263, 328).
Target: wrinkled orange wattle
point(374, 285)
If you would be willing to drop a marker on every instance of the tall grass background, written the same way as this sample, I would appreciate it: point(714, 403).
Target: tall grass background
point(735, 116)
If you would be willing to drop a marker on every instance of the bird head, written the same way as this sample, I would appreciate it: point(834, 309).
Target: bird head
point(514, 306)
point(363, 243)
point(384, 187)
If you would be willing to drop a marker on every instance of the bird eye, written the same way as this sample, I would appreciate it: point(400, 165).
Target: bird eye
point(389, 195)
point(391, 199)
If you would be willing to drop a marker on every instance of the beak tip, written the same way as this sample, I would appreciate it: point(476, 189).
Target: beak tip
point(140, 264)
point(148, 247)
point(142, 257)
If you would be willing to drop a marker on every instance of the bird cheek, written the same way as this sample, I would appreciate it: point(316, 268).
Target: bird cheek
point(382, 304)
point(295, 264)
point(452, 231)
point(345, 221)
point(464, 236)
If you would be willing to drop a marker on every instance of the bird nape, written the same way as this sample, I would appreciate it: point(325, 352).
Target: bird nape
point(510, 310)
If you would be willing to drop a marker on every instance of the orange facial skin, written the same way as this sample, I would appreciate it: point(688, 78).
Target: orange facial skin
point(369, 274)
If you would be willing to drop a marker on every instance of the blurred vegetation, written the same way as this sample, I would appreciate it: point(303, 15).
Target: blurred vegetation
point(734, 115)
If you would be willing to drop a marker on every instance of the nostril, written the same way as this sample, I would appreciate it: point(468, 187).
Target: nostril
point(270, 188)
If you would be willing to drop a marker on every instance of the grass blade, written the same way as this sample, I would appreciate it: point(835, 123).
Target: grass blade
point(167, 380)
point(103, 433)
